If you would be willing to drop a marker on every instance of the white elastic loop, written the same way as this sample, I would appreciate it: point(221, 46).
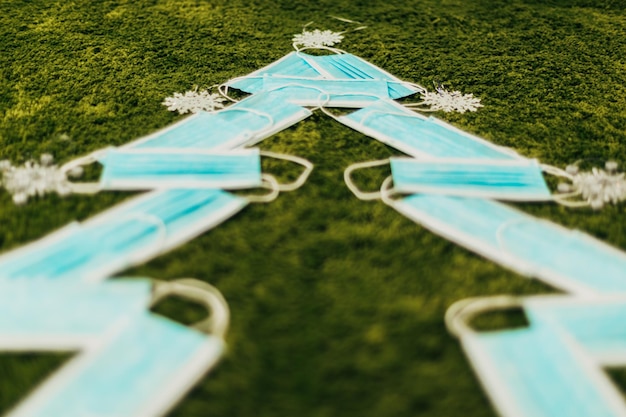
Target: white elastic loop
point(324, 93)
point(258, 113)
point(223, 88)
point(563, 198)
point(194, 290)
point(387, 191)
point(270, 183)
point(384, 113)
point(557, 172)
point(325, 48)
point(85, 187)
point(299, 182)
point(365, 196)
point(459, 314)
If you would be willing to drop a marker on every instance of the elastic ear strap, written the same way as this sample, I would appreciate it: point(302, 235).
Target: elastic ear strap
point(308, 168)
point(459, 314)
point(386, 191)
point(361, 195)
point(563, 198)
point(326, 48)
point(85, 187)
point(243, 109)
point(270, 183)
point(200, 292)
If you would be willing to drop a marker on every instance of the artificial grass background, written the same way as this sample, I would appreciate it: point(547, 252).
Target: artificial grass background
point(337, 304)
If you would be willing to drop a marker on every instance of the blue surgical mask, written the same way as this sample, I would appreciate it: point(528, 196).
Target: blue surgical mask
point(542, 370)
point(567, 259)
point(291, 65)
point(520, 180)
point(351, 67)
point(330, 93)
point(128, 234)
point(139, 169)
point(243, 123)
point(329, 67)
point(42, 314)
point(538, 371)
point(420, 136)
point(594, 322)
point(137, 364)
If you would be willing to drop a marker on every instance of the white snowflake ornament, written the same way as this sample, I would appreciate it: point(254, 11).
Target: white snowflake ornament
point(33, 178)
point(596, 187)
point(317, 38)
point(448, 101)
point(194, 101)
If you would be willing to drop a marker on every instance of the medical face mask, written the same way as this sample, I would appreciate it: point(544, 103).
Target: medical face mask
point(130, 233)
point(142, 169)
point(139, 366)
point(139, 169)
point(537, 371)
point(329, 93)
point(50, 315)
point(594, 322)
point(419, 136)
point(291, 65)
point(350, 67)
point(243, 123)
point(330, 67)
point(567, 259)
point(518, 180)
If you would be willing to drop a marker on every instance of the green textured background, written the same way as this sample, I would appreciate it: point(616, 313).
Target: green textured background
point(337, 304)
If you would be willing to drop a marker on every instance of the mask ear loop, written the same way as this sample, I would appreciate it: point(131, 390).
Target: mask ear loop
point(269, 183)
point(85, 187)
point(387, 191)
point(223, 88)
point(563, 198)
point(459, 314)
point(194, 290)
point(362, 195)
point(324, 48)
point(299, 182)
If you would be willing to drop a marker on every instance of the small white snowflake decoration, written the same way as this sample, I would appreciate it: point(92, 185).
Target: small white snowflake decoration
point(598, 186)
point(448, 101)
point(194, 101)
point(317, 38)
point(33, 178)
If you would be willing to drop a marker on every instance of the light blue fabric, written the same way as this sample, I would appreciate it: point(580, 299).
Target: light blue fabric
point(291, 65)
point(147, 169)
point(511, 180)
point(351, 67)
point(141, 372)
point(567, 259)
point(329, 67)
point(420, 136)
point(539, 372)
point(138, 230)
point(597, 324)
point(245, 122)
point(330, 93)
point(41, 313)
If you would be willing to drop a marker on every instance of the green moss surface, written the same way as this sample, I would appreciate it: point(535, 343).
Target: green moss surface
point(337, 304)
